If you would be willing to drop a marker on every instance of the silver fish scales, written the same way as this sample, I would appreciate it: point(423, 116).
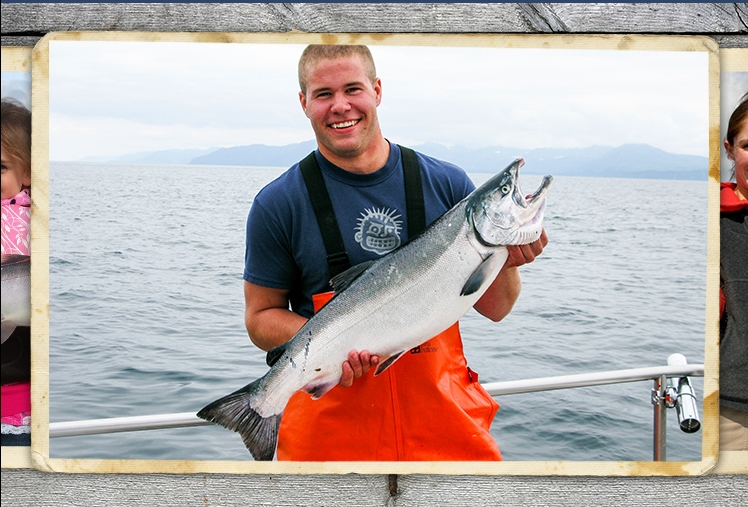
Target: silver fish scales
point(390, 305)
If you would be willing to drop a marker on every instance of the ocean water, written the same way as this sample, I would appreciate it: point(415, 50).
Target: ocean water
point(146, 310)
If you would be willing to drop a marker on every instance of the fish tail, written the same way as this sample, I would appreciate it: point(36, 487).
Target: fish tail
point(234, 412)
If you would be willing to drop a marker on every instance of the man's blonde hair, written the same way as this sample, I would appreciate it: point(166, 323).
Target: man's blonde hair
point(314, 53)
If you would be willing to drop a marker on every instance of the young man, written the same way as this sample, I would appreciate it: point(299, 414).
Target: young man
point(428, 405)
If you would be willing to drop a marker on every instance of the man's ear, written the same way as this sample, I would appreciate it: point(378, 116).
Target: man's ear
point(302, 100)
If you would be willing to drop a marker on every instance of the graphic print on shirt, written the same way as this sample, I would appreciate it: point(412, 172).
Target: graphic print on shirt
point(379, 230)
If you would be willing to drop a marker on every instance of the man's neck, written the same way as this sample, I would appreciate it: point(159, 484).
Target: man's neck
point(370, 161)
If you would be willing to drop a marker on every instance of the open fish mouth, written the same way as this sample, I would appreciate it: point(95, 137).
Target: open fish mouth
point(532, 227)
point(502, 215)
point(532, 208)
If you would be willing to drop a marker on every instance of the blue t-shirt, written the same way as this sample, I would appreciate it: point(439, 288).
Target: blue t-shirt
point(284, 244)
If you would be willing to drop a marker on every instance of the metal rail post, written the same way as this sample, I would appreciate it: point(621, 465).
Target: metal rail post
point(660, 419)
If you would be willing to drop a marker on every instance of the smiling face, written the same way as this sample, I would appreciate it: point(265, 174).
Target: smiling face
point(341, 103)
point(14, 175)
point(15, 147)
point(738, 152)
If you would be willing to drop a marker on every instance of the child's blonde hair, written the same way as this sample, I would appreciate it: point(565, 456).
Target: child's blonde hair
point(15, 132)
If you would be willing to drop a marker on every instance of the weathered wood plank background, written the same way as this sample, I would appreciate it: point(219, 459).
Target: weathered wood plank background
point(24, 24)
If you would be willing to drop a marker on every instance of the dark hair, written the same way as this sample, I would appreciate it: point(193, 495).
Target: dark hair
point(737, 118)
point(15, 131)
point(316, 52)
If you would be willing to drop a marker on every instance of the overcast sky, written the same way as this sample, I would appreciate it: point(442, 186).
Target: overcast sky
point(114, 98)
point(16, 85)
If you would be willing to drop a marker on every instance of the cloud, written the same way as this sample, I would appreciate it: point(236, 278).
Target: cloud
point(16, 85)
point(191, 83)
point(537, 98)
point(168, 95)
point(117, 136)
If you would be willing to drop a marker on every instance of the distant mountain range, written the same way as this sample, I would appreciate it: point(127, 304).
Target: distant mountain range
point(258, 155)
point(626, 161)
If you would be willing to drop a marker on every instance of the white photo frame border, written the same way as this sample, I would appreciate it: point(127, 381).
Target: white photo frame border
point(40, 268)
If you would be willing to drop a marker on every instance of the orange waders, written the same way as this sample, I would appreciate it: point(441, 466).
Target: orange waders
point(427, 406)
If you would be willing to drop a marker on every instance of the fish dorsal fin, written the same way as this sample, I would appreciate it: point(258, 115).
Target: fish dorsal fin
point(345, 279)
point(478, 277)
point(275, 353)
point(388, 362)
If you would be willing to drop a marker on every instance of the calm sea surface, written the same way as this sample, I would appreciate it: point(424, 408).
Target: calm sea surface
point(147, 310)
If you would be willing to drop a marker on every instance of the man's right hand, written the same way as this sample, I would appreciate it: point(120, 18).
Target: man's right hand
point(356, 366)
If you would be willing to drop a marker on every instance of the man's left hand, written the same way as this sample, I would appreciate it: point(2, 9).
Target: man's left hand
point(522, 254)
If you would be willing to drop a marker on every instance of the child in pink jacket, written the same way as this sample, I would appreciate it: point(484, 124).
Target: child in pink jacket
point(15, 155)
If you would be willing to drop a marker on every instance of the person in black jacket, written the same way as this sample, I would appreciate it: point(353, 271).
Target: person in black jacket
point(733, 376)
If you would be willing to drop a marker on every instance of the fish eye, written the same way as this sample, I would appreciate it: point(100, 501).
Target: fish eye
point(505, 189)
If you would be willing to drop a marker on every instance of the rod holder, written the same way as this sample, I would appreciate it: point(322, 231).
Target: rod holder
point(681, 395)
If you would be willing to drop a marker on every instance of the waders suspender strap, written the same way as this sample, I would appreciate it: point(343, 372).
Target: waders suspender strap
point(414, 203)
point(337, 258)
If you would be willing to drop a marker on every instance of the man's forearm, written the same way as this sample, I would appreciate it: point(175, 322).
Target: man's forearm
point(500, 297)
point(272, 327)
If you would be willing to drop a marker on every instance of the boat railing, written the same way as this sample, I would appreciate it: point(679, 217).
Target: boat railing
point(672, 389)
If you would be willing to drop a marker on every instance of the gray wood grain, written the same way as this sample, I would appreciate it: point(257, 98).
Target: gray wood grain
point(24, 24)
point(31, 488)
point(704, 19)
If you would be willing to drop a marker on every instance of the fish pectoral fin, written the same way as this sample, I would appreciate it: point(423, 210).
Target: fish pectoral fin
point(342, 281)
point(478, 277)
point(318, 390)
point(235, 412)
point(388, 362)
point(275, 353)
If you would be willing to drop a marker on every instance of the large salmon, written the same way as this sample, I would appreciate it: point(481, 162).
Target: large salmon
point(390, 305)
point(16, 300)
